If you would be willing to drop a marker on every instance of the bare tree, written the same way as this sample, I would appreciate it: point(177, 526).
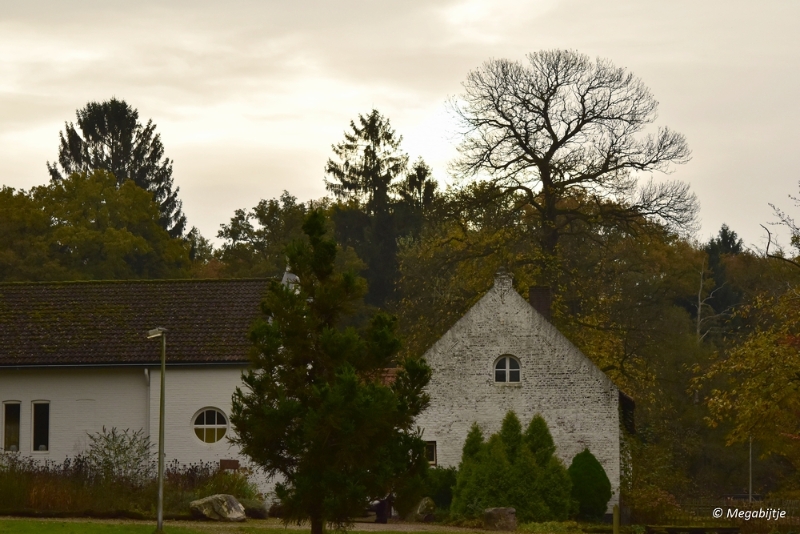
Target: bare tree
point(570, 133)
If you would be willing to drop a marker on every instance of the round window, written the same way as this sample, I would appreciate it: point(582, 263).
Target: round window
point(210, 425)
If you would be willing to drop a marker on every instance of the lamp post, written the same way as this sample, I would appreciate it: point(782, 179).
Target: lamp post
point(162, 333)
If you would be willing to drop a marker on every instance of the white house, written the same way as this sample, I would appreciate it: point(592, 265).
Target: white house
point(505, 355)
point(74, 357)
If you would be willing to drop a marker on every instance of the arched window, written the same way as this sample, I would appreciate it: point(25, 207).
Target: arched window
point(210, 425)
point(507, 369)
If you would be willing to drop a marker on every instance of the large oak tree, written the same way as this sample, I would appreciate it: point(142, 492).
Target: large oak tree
point(572, 135)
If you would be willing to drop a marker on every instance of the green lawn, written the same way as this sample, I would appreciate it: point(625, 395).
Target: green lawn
point(33, 526)
point(79, 526)
point(36, 526)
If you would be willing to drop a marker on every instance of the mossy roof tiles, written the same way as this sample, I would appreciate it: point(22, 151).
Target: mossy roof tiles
point(106, 323)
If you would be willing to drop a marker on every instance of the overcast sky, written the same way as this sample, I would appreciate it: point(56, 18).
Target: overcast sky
point(249, 96)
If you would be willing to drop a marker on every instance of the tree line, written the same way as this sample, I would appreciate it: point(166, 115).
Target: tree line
point(551, 185)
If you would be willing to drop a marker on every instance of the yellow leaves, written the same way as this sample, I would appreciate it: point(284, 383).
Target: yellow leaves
point(756, 384)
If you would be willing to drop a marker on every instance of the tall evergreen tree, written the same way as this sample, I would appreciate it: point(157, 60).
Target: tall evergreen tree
point(314, 408)
point(109, 136)
point(367, 164)
point(370, 160)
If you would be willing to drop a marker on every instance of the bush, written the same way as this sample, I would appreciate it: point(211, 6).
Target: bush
point(124, 457)
point(591, 488)
point(85, 485)
point(512, 469)
point(439, 485)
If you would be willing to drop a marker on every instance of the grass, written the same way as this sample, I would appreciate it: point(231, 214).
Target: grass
point(58, 526)
point(32, 526)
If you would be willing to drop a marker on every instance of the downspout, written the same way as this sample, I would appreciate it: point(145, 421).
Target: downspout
point(147, 401)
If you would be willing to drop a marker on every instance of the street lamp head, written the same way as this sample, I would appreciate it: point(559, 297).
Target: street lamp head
point(156, 332)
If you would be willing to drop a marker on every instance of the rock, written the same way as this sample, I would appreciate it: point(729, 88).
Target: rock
point(500, 519)
point(218, 508)
point(423, 511)
point(255, 509)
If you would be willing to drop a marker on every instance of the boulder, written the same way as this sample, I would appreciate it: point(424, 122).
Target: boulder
point(218, 508)
point(500, 519)
point(255, 509)
point(423, 511)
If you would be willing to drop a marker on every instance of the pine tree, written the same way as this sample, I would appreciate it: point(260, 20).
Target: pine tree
point(314, 408)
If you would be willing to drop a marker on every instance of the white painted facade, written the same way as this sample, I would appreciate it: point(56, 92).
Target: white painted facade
point(84, 399)
point(577, 400)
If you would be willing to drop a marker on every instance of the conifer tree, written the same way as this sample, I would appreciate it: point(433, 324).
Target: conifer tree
point(539, 440)
point(511, 434)
point(314, 408)
point(109, 137)
point(504, 471)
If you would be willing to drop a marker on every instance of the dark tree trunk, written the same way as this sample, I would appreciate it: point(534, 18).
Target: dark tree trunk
point(317, 525)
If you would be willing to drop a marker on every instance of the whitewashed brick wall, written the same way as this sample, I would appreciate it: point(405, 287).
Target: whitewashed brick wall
point(578, 401)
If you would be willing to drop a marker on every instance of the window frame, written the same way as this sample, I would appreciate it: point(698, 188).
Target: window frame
point(432, 462)
point(34, 449)
point(206, 427)
point(4, 428)
point(507, 370)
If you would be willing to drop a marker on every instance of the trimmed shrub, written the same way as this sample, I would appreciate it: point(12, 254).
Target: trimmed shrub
point(591, 488)
point(506, 471)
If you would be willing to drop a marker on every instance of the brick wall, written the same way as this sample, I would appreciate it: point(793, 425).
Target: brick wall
point(578, 401)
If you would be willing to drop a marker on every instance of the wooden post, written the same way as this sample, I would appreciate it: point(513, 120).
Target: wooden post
point(616, 519)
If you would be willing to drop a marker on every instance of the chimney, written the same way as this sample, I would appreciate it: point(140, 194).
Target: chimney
point(541, 298)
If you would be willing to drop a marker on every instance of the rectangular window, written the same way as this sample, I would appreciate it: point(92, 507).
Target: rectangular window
point(430, 452)
point(11, 427)
point(41, 427)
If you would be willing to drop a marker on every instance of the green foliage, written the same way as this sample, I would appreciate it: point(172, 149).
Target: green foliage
point(379, 199)
point(511, 435)
point(110, 137)
point(591, 488)
point(539, 441)
point(473, 444)
point(504, 471)
point(86, 227)
point(314, 408)
point(254, 240)
point(439, 484)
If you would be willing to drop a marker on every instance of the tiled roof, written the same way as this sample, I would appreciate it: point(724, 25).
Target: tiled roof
point(80, 323)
